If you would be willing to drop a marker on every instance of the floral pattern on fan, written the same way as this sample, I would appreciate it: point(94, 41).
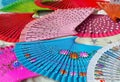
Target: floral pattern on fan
point(57, 24)
point(10, 68)
point(98, 26)
point(105, 64)
point(52, 59)
point(74, 54)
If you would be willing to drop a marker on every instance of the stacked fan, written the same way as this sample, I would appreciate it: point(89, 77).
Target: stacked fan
point(14, 16)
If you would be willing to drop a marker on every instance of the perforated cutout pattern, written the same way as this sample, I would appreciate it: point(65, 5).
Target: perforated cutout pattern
point(98, 26)
point(59, 23)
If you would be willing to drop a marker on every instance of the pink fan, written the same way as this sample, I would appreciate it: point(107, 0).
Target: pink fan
point(10, 68)
point(98, 26)
point(57, 24)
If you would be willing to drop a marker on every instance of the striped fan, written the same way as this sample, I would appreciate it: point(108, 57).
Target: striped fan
point(102, 41)
point(10, 68)
point(64, 4)
point(57, 24)
point(104, 66)
point(50, 58)
point(22, 6)
point(11, 25)
point(98, 26)
point(113, 10)
point(6, 2)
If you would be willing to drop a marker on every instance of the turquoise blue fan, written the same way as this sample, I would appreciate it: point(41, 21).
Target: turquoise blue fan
point(60, 59)
point(6, 2)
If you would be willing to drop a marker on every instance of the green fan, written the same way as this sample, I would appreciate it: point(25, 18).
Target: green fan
point(21, 6)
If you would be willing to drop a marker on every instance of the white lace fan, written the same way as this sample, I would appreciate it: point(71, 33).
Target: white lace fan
point(105, 65)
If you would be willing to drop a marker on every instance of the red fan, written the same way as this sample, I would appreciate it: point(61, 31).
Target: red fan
point(63, 4)
point(11, 25)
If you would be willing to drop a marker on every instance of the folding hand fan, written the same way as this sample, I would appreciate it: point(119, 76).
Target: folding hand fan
point(57, 24)
point(22, 6)
point(111, 9)
point(104, 66)
point(102, 41)
point(60, 59)
point(11, 25)
point(64, 4)
point(98, 26)
point(5, 2)
point(11, 69)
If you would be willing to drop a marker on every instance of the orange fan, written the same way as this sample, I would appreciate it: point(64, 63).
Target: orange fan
point(64, 4)
point(11, 25)
point(113, 10)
